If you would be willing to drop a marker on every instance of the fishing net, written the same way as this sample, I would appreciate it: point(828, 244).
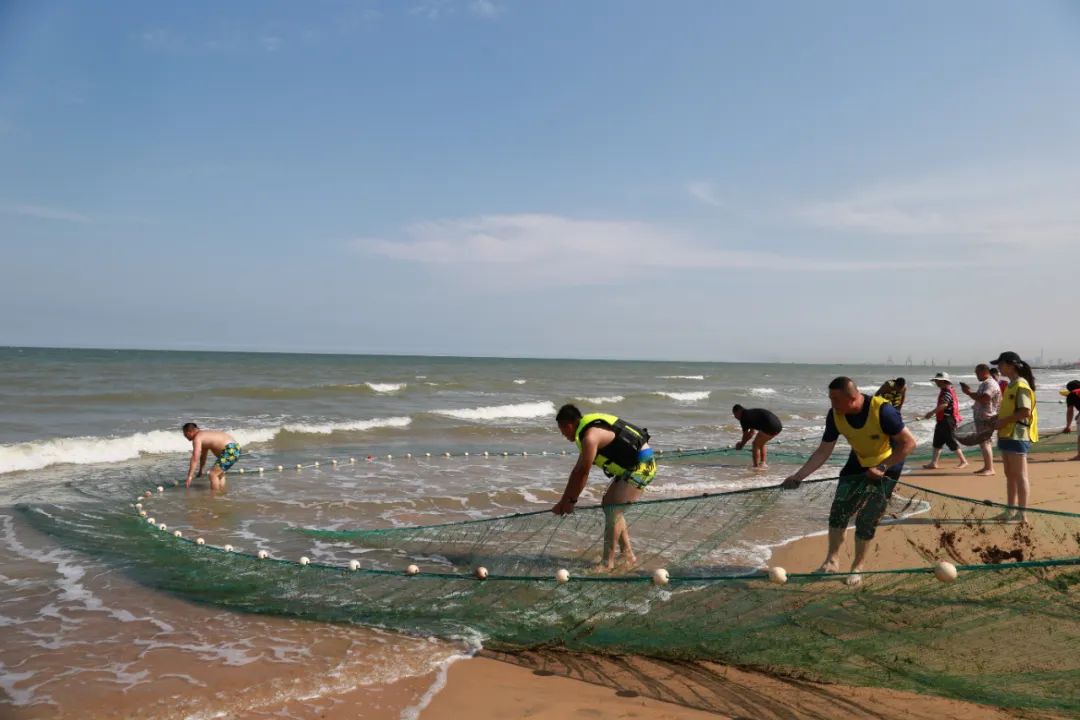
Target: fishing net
point(1005, 632)
point(976, 431)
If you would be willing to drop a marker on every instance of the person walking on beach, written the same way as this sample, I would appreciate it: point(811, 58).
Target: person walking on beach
point(948, 417)
point(1002, 382)
point(895, 391)
point(622, 451)
point(987, 399)
point(1018, 428)
point(879, 445)
point(223, 445)
point(762, 422)
point(1072, 405)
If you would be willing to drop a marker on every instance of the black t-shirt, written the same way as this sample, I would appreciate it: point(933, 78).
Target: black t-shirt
point(1072, 400)
point(760, 420)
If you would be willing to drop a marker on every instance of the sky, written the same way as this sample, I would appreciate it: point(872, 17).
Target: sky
point(693, 180)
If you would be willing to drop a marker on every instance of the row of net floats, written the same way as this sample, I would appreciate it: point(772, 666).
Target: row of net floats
point(334, 462)
point(943, 570)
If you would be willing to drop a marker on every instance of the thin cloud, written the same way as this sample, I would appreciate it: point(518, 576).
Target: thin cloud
point(41, 212)
point(1006, 207)
point(704, 192)
point(551, 248)
point(485, 9)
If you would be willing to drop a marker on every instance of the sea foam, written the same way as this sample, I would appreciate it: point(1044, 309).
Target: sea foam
point(90, 450)
point(520, 411)
point(600, 400)
point(686, 397)
point(386, 387)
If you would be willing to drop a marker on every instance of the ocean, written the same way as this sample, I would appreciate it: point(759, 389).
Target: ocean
point(83, 431)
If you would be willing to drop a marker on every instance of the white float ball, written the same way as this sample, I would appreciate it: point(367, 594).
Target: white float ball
point(389, 456)
point(481, 573)
point(316, 463)
point(427, 454)
point(446, 454)
point(261, 471)
point(466, 454)
point(151, 521)
point(354, 565)
point(333, 462)
point(408, 455)
point(160, 489)
point(660, 577)
point(777, 575)
point(280, 468)
point(228, 548)
point(142, 513)
point(163, 527)
point(177, 533)
point(138, 506)
point(299, 466)
point(304, 560)
point(200, 541)
point(412, 570)
point(148, 494)
point(352, 460)
point(263, 554)
point(945, 571)
point(241, 471)
point(563, 575)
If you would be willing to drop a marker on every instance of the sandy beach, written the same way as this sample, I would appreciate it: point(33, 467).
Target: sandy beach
point(553, 685)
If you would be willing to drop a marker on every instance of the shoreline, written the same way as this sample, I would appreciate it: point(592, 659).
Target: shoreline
point(551, 683)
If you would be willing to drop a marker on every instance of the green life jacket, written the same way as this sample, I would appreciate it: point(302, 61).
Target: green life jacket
point(620, 456)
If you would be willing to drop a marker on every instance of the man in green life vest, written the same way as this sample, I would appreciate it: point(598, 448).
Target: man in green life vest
point(622, 451)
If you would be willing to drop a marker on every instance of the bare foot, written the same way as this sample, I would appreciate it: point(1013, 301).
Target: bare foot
point(829, 566)
point(929, 466)
point(984, 472)
point(1005, 517)
point(1021, 518)
point(627, 562)
point(602, 568)
point(963, 464)
point(1075, 457)
point(854, 580)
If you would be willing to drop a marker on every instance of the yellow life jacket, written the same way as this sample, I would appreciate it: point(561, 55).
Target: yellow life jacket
point(870, 443)
point(1008, 407)
point(894, 395)
point(620, 456)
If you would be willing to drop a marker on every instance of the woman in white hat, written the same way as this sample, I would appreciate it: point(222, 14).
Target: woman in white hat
point(948, 417)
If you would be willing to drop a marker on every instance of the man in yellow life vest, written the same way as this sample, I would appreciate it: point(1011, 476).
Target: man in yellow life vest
point(879, 445)
point(622, 451)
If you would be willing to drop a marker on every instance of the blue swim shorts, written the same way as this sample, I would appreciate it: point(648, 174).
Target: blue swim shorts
point(229, 455)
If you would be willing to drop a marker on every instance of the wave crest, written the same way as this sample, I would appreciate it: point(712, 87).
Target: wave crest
point(520, 411)
point(601, 399)
point(686, 397)
point(89, 450)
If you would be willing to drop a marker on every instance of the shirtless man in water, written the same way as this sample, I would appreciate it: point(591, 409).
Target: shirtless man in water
point(223, 445)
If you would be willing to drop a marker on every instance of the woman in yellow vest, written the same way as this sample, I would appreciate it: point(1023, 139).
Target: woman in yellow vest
point(622, 451)
point(1018, 428)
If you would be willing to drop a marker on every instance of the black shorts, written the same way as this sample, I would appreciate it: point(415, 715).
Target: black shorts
point(945, 434)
